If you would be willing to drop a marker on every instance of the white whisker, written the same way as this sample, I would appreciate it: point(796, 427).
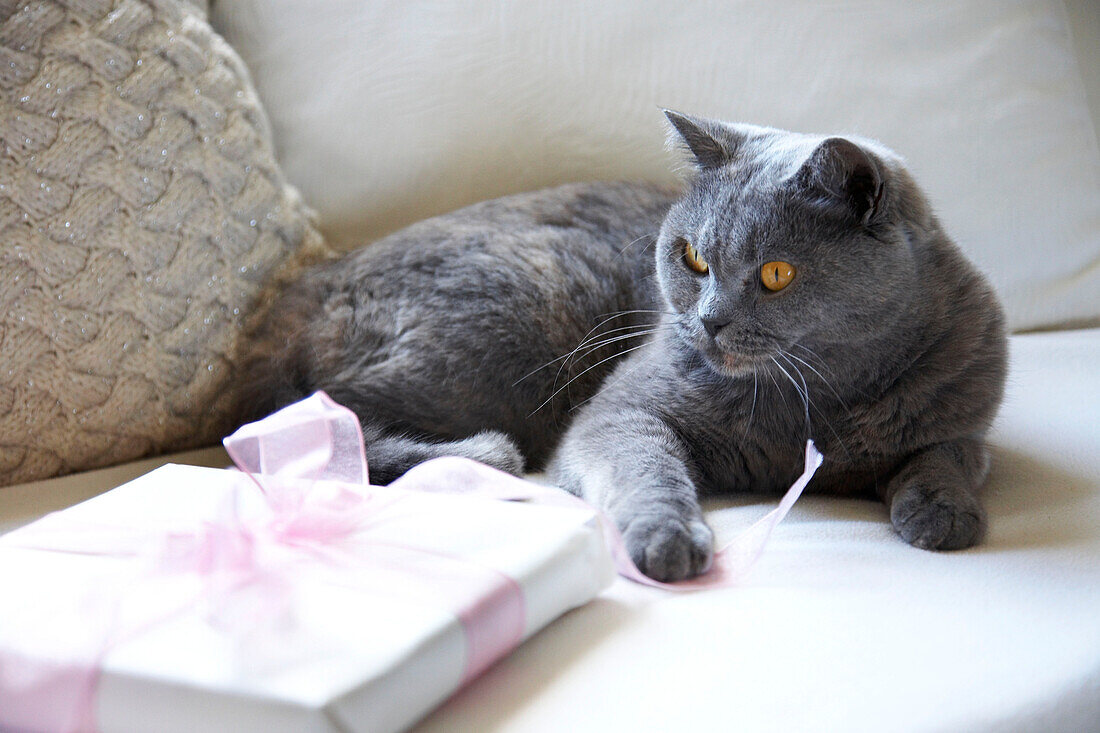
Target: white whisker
point(805, 400)
point(596, 346)
point(578, 376)
point(826, 368)
point(828, 423)
point(819, 375)
point(777, 387)
point(587, 340)
point(631, 244)
point(752, 411)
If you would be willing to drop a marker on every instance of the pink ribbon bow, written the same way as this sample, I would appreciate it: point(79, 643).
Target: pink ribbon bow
point(318, 443)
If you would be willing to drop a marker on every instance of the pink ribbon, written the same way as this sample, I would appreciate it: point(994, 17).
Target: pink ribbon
point(308, 462)
point(318, 440)
point(731, 562)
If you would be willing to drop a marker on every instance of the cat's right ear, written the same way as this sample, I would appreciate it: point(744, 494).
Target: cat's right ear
point(845, 172)
point(712, 143)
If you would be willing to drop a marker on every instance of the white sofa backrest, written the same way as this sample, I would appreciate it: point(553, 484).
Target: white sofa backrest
point(385, 113)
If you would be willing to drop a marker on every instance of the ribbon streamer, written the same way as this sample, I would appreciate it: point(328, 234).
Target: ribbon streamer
point(731, 562)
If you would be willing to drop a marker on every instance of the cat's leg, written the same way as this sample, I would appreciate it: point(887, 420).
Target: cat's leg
point(633, 467)
point(390, 456)
point(933, 498)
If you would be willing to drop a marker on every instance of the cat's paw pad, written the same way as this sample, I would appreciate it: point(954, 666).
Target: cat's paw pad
point(667, 547)
point(937, 519)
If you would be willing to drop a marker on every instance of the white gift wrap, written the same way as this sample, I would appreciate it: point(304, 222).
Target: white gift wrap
point(341, 657)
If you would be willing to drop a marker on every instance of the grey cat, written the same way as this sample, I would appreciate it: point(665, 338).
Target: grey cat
point(649, 347)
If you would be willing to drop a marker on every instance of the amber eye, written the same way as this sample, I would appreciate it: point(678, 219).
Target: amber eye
point(777, 275)
point(693, 260)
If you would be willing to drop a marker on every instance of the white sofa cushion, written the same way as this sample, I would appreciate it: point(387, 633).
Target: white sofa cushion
point(841, 626)
point(385, 113)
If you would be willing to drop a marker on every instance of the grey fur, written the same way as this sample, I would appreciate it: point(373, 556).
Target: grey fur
point(457, 325)
point(888, 348)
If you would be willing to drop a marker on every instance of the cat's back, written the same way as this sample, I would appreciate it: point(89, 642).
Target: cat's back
point(560, 235)
point(434, 328)
point(523, 271)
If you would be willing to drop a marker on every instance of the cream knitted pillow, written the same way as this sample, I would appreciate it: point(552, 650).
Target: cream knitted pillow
point(142, 219)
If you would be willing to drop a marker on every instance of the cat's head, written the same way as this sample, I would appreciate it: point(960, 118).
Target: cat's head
point(785, 239)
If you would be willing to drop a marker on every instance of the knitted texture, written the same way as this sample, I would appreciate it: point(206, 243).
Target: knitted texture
point(142, 220)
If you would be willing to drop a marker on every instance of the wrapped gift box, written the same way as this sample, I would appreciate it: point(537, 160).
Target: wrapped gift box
point(172, 622)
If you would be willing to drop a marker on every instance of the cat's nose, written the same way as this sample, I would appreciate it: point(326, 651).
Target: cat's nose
point(714, 325)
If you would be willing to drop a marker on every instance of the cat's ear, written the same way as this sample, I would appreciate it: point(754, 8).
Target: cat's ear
point(712, 143)
point(848, 174)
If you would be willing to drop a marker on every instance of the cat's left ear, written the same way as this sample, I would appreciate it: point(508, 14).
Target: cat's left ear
point(712, 143)
point(846, 173)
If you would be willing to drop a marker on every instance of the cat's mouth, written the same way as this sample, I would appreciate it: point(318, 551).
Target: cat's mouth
point(736, 363)
point(740, 363)
point(734, 357)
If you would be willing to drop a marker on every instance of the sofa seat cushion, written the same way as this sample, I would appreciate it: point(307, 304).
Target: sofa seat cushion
point(844, 627)
point(841, 626)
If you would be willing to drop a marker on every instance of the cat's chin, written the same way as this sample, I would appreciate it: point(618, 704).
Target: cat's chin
point(733, 365)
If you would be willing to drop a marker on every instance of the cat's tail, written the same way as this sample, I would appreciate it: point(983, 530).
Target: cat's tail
point(282, 350)
point(389, 456)
point(298, 341)
point(294, 344)
point(281, 377)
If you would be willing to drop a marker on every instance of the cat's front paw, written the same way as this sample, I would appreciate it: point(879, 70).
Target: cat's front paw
point(937, 518)
point(668, 547)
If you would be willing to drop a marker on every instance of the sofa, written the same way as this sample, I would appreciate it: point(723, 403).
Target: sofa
point(385, 113)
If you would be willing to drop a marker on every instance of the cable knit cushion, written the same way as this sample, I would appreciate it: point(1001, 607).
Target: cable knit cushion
point(142, 219)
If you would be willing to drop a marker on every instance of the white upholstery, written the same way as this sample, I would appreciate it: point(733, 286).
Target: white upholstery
point(385, 113)
point(841, 626)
